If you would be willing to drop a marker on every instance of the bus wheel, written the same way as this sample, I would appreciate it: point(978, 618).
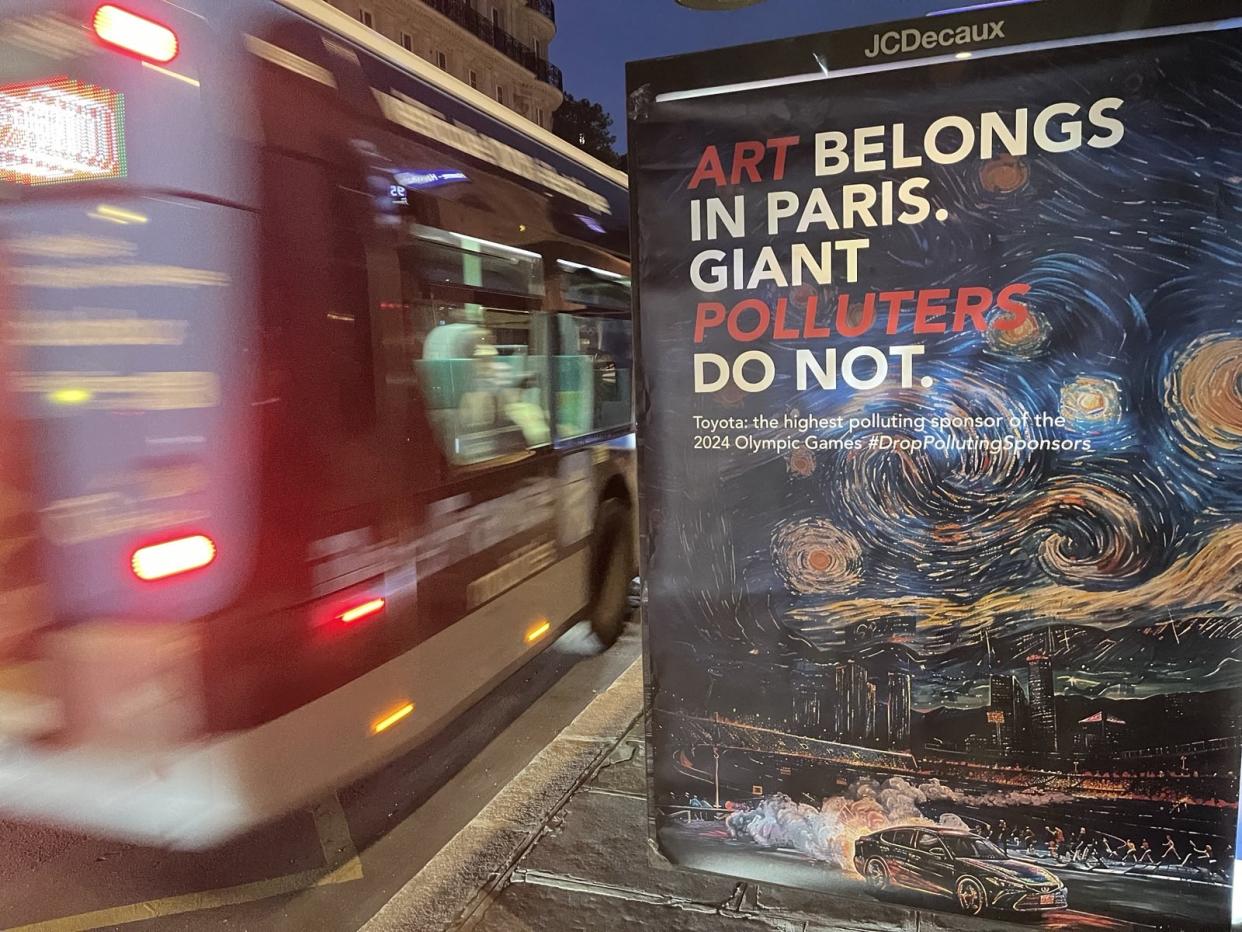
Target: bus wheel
point(613, 568)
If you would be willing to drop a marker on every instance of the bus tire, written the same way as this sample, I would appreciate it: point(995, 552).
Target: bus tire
point(612, 568)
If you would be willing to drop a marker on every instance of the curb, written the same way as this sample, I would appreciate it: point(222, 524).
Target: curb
point(456, 886)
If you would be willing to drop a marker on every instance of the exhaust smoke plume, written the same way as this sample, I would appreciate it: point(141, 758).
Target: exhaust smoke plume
point(829, 832)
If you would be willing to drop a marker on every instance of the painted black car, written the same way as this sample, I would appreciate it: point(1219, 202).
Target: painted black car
point(956, 863)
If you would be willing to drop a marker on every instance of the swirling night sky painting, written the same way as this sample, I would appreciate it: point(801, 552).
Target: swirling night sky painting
point(1004, 596)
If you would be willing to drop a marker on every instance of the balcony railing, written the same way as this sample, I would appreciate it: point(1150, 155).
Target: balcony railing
point(469, 19)
point(546, 7)
point(548, 73)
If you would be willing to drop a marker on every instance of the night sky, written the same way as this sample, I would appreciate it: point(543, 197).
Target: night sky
point(594, 40)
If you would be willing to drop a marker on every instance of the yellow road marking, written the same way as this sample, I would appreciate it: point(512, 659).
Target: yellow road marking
point(340, 856)
point(175, 905)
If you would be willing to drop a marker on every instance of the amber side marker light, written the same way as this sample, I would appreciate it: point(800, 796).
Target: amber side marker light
point(117, 215)
point(538, 631)
point(396, 715)
point(173, 557)
point(358, 612)
point(137, 35)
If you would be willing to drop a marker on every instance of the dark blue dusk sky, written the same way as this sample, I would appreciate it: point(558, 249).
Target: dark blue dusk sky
point(595, 38)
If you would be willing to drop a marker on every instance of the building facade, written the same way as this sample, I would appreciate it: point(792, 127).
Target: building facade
point(1008, 713)
point(809, 696)
point(839, 702)
point(856, 702)
point(498, 47)
point(869, 714)
point(1041, 687)
point(1098, 735)
point(899, 700)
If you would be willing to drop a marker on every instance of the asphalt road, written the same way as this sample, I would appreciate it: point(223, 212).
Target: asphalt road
point(1157, 902)
point(375, 834)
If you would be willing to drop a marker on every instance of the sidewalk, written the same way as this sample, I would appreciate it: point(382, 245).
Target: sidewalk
point(564, 847)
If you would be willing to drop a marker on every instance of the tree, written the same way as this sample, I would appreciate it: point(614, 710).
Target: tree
point(588, 126)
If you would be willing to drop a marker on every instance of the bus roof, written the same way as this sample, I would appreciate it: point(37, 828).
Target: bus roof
point(341, 23)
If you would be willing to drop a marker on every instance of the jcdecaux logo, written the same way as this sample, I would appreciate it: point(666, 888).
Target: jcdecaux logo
point(909, 40)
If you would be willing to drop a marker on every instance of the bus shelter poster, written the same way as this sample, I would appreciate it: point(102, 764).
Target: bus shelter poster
point(942, 474)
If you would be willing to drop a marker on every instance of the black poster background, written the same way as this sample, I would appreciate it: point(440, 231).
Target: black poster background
point(1009, 643)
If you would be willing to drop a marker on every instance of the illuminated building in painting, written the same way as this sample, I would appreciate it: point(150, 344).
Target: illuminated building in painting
point(898, 710)
point(1008, 713)
point(1041, 682)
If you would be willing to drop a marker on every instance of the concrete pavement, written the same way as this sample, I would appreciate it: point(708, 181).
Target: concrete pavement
point(564, 848)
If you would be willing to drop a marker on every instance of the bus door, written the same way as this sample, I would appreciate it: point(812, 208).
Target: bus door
point(470, 339)
point(468, 346)
point(127, 232)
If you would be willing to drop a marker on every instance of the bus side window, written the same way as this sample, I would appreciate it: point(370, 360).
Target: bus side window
point(482, 371)
point(594, 370)
point(483, 374)
point(594, 366)
point(438, 257)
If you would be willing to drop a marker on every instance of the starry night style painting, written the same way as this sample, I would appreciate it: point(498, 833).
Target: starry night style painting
point(944, 577)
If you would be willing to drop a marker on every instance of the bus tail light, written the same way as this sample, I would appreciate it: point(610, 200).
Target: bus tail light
point(366, 609)
point(135, 34)
point(173, 557)
point(59, 129)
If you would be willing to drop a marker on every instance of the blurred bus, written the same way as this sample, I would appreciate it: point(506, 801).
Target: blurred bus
point(317, 406)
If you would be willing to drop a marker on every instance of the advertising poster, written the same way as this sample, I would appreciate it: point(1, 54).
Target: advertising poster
point(941, 459)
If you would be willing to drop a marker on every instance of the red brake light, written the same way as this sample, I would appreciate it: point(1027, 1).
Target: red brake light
point(363, 610)
point(135, 34)
point(173, 557)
